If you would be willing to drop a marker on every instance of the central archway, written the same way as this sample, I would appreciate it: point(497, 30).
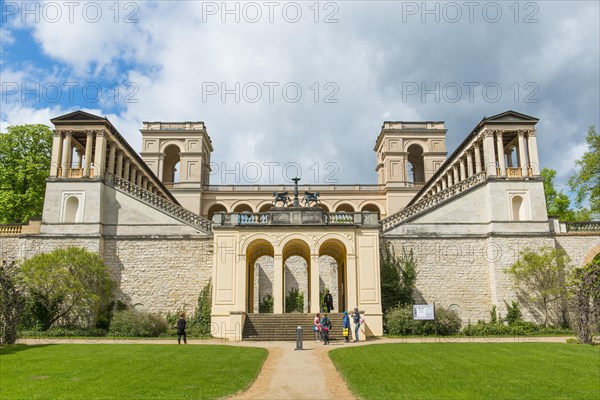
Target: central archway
point(296, 274)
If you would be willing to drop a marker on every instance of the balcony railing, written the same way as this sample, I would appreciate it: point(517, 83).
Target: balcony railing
point(588, 226)
point(295, 216)
point(10, 229)
point(74, 173)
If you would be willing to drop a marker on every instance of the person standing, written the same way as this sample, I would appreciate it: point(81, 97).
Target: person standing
point(356, 319)
point(325, 328)
point(346, 327)
point(181, 323)
point(317, 327)
point(328, 300)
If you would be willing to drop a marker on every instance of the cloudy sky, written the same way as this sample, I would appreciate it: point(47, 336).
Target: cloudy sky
point(306, 83)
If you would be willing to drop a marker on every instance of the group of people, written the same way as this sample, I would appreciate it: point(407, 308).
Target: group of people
point(322, 326)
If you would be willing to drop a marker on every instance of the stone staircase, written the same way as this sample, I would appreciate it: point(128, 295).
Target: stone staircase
point(282, 327)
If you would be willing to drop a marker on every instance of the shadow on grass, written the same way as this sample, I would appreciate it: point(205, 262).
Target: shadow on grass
point(17, 348)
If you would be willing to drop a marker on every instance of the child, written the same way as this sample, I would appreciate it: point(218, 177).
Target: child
point(181, 323)
point(346, 327)
point(317, 327)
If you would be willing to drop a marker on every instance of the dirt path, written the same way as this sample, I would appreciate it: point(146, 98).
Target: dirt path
point(303, 374)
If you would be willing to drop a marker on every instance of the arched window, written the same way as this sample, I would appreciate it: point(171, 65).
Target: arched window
point(71, 210)
point(171, 164)
point(416, 164)
point(241, 208)
point(215, 208)
point(344, 208)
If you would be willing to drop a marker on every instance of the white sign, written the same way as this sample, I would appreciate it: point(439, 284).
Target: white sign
point(423, 312)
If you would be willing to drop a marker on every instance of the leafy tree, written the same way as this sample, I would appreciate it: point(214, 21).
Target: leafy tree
point(584, 290)
point(586, 181)
point(558, 204)
point(11, 304)
point(398, 275)
point(25, 153)
point(541, 276)
point(68, 284)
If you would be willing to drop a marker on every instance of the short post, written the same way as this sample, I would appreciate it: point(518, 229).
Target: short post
point(298, 338)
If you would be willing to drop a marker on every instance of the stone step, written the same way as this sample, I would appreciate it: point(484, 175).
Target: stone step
point(282, 327)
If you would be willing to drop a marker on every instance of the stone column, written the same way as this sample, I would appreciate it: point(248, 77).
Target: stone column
point(534, 162)
point(455, 174)
point(351, 282)
point(469, 164)
point(522, 160)
point(314, 284)
point(119, 171)
point(278, 284)
point(57, 149)
point(100, 156)
point(489, 153)
point(126, 170)
point(79, 158)
point(88, 153)
point(500, 145)
point(111, 157)
point(444, 182)
point(477, 158)
point(463, 174)
point(140, 175)
point(133, 174)
point(68, 152)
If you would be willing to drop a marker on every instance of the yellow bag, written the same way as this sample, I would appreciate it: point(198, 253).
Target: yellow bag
point(345, 331)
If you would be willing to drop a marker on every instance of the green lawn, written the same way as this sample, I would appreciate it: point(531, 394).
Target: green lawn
point(471, 371)
point(126, 371)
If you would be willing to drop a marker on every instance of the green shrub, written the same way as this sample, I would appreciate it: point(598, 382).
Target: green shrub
point(132, 323)
point(513, 312)
point(399, 321)
point(493, 315)
point(294, 301)
point(199, 324)
point(66, 331)
point(266, 304)
point(518, 328)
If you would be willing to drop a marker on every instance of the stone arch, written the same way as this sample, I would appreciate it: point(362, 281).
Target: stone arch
point(422, 144)
point(215, 208)
point(371, 207)
point(336, 249)
point(171, 163)
point(323, 206)
point(416, 164)
point(255, 250)
point(265, 207)
point(296, 254)
point(344, 207)
point(71, 211)
point(592, 254)
point(242, 207)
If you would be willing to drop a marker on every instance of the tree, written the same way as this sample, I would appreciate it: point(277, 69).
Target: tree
point(541, 276)
point(398, 275)
point(584, 290)
point(586, 181)
point(558, 204)
point(68, 284)
point(11, 304)
point(25, 152)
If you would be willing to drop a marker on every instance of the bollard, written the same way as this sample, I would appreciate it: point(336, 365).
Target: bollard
point(298, 338)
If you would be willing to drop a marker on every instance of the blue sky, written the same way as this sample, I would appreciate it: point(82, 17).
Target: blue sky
point(306, 84)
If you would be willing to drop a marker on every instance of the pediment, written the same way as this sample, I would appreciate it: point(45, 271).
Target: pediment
point(77, 116)
point(511, 116)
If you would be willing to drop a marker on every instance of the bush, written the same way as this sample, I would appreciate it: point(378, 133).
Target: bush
point(266, 304)
point(294, 301)
point(518, 328)
point(513, 313)
point(399, 321)
point(66, 331)
point(131, 323)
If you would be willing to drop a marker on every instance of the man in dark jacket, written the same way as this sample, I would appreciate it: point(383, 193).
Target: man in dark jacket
point(328, 300)
point(181, 323)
